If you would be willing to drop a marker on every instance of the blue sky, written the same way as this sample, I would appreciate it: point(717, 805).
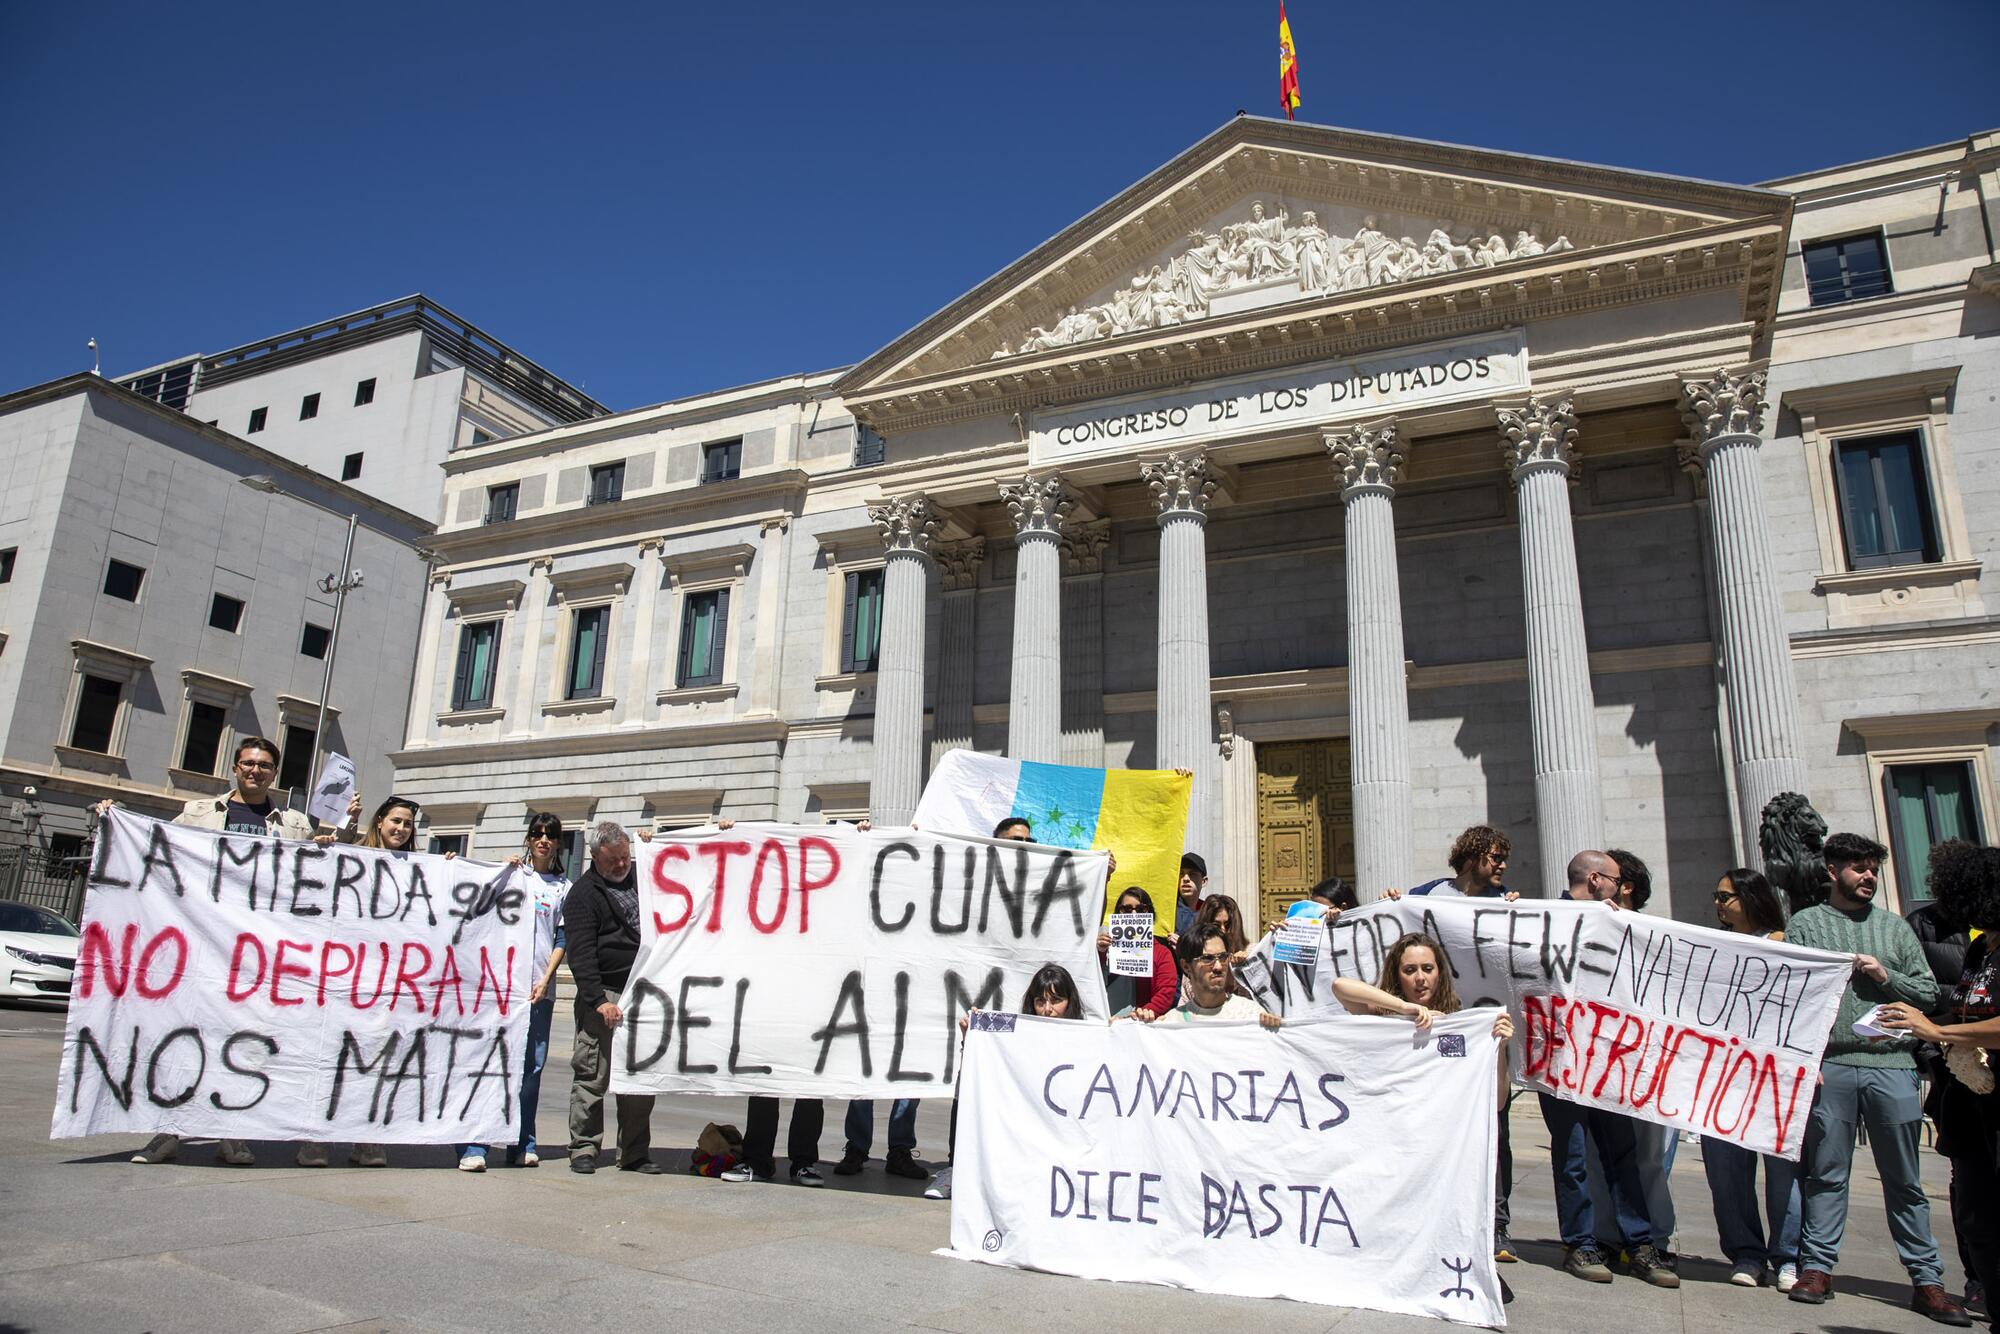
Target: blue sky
point(657, 199)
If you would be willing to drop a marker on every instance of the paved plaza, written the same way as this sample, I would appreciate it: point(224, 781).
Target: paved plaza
point(89, 1242)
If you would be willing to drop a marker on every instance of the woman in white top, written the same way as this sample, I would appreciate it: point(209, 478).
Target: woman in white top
point(1207, 983)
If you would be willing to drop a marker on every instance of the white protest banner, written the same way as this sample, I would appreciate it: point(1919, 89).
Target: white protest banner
point(242, 986)
point(829, 961)
point(1348, 1162)
point(1131, 951)
point(333, 790)
point(1689, 1026)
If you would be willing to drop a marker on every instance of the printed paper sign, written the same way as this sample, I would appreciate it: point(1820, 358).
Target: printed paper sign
point(1346, 1162)
point(1301, 934)
point(1704, 1030)
point(243, 986)
point(1131, 952)
point(828, 961)
point(333, 791)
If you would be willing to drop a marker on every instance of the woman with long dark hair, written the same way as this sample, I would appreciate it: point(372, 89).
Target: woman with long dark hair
point(1142, 997)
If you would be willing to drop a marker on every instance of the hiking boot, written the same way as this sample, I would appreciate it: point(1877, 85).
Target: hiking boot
point(1646, 1262)
point(1929, 1300)
point(902, 1163)
point(1586, 1263)
point(1814, 1286)
point(850, 1162)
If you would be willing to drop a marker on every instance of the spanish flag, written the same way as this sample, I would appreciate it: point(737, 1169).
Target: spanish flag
point(1288, 65)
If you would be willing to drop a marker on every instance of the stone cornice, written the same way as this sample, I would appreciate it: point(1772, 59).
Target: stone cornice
point(628, 520)
point(610, 741)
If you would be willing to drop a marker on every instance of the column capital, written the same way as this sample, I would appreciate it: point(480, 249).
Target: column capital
point(908, 523)
point(651, 546)
point(1687, 457)
point(1181, 484)
point(1038, 504)
point(541, 565)
point(1538, 435)
point(1366, 457)
point(1083, 547)
point(959, 563)
point(1723, 406)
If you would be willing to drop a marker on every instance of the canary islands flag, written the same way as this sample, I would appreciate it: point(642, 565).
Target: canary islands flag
point(1138, 814)
point(1288, 65)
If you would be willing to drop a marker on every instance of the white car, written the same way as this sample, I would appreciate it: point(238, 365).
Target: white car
point(37, 953)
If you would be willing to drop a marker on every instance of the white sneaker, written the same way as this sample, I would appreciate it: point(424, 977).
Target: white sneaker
point(1788, 1277)
point(940, 1187)
point(1745, 1273)
point(740, 1172)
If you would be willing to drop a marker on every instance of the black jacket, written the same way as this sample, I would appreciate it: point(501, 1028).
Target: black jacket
point(1944, 945)
point(600, 945)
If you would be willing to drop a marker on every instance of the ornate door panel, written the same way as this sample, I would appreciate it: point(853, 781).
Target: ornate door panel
point(1305, 820)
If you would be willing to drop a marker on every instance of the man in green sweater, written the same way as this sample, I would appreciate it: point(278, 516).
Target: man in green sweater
point(1866, 1082)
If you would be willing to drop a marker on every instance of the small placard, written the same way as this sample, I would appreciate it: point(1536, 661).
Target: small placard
point(1131, 952)
point(991, 1021)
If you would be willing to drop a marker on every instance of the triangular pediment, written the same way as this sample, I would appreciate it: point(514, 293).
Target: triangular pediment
point(1321, 230)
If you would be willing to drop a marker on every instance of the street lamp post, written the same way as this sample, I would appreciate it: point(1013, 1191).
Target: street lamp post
point(340, 583)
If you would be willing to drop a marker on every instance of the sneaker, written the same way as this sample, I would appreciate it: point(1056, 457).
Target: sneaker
point(807, 1176)
point(850, 1162)
point(940, 1187)
point(1814, 1286)
point(1929, 1300)
point(524, 1157)
point(583, 1164)
point(368, 1155)
point(1503, 1249)
point(159, 1149)
point(472, 1160)
point(1646, 1262)
point(234, 1153)
point(740, 1172)
point(1975, 1298)
point(1746, 1273)
point(1586, 1263)
point(1788, 1277)
point(311, 1155)
point(903, 1163)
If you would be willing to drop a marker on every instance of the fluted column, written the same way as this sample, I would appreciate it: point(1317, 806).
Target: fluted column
point(1034, 691)
point(1181, 486)
point(958, 565)
point(1539, 447)
point(1083, 642)
point(1378, 698)
point(908, 524)
point(1725, 415)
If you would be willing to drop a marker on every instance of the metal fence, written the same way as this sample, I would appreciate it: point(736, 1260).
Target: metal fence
point(31, 875)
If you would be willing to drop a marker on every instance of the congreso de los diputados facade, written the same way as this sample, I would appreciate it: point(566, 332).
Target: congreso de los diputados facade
point(1390, 486)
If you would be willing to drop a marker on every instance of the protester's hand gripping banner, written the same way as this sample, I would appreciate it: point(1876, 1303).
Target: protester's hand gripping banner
point(830, 961)
point(243, 986)
point(1139, 814)
point(1705, 1030)
point(1348, 1162)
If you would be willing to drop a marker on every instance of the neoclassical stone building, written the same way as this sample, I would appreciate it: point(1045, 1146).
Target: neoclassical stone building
point(1388, 485)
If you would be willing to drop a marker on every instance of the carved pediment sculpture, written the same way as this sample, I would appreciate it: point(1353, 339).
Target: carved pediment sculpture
point(1269, 253)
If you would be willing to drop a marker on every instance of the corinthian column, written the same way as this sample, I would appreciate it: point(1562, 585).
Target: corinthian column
point(908, 524)
point(1378, 699)
point(1034, 711)
point(1540, 448)
point(1724, 416)
point(1181, 486)
point(958, 565)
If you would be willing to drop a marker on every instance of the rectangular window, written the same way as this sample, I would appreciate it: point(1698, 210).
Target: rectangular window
point(96, 714)
point(1928, 803)
point(861, 622)
point(257, 417)
point(7, 565)
point(500, 502)
point(472, 681)
point(308, 407)
point(607, 483)
point(721, 460)
point(1885, 507)
point(225, 612)
point(1852, 268)
point(350, 467)
point(704, 628)
point(869, 447)
point(296, 769)
point(206, 724)
point(588, 631)
point(314, 639)
point(452, 843)
point(364, 393)
point(122, 580)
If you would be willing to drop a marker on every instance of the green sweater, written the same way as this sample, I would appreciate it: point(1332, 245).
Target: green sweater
point(1889, 939)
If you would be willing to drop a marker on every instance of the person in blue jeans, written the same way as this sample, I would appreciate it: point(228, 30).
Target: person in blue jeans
point(545, 885)
point(860, 1128)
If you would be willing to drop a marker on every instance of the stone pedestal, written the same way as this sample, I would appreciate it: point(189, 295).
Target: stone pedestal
point(1034, 694)
point(1539, 448)
point(908, 524)
point(1724, 416)
point(1378, 700)
point(1181, 486)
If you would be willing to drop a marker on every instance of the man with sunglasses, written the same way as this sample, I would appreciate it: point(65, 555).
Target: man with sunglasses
point(247, 809)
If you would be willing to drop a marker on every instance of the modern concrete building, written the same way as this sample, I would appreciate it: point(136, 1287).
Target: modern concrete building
point(1389, 485)
point(153, 609)
point(377, 399)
